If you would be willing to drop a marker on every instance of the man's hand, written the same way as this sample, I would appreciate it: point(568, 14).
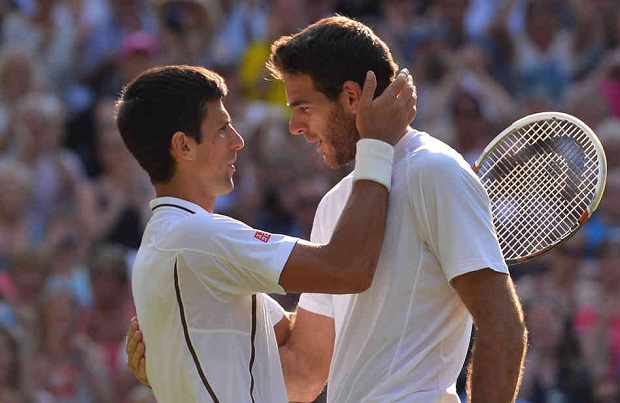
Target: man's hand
point(387, 116)
point(135, 352)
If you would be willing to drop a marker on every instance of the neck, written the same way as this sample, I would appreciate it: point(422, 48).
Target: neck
point(177, 188)
point(404, 133)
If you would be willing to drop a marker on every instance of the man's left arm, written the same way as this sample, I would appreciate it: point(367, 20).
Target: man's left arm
point(496, 364)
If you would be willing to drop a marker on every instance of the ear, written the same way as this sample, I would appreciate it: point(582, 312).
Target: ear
point(350, 95)
point(182, 146)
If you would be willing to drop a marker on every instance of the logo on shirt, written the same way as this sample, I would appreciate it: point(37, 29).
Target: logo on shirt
point(262, 236)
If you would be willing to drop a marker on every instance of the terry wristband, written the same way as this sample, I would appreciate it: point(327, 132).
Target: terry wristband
point(373, 161)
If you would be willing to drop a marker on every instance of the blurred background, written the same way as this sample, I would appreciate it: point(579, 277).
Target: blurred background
point(73, 203)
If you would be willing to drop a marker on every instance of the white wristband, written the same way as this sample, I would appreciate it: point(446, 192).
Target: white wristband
point(373, 161)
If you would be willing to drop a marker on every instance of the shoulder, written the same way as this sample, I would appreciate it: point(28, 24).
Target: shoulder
point(177, 229)
point(430, 158)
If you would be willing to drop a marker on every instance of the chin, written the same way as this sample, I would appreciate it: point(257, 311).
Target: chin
point(331, 163)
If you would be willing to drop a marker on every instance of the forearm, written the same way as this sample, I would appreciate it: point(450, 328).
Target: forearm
point(303, 381)
point(306, 356)
point(361, 227)
point(347, 263)
point(496, 366)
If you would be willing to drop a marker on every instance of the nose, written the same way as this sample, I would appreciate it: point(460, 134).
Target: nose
point(296, 125)
point(237, 141)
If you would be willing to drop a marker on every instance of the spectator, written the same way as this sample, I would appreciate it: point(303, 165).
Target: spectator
point(556, 369)
point(59, 180)
point(19, 227)
point(119, 195)
point(598, 325)
point(65, 363)
point(187, 30)
point(27, 274)
point(106, 319)
point(48, 34)
point(67, 267)
point(11, 386)
point(18, 77)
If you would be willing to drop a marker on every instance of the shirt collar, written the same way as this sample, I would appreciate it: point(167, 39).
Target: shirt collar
point(400, 149)
point(175, 202)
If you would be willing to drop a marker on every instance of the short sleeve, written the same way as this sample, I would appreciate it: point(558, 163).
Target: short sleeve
point(230, 257)
point(452, 210)
point(317, 303)
point(274, 310)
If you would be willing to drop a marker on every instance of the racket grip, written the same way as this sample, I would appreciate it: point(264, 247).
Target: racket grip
point(373, 161)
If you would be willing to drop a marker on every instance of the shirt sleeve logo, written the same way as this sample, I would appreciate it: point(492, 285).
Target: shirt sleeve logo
point(262, 236)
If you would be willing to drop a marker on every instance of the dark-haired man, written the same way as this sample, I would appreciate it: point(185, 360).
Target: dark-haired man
point(199, 277)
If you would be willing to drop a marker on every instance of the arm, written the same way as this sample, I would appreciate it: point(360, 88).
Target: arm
point(283, 328)
point(347, 263)
point(306, 356)
point(501, 338)
point(305, 352)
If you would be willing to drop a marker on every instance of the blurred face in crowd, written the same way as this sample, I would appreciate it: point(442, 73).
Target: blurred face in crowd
point(29, 278)
point(609, 266)
point(545, 325)
point(14, 195)
point(329, 124)
point(15, 76)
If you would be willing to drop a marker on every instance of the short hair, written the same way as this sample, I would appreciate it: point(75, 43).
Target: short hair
point(331, 51)
point(160, 102)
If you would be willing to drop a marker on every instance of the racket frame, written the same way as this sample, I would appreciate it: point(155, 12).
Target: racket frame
point(602, 170)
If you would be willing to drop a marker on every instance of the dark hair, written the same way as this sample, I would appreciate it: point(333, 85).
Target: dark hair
point(160, 102)
point(332, 51)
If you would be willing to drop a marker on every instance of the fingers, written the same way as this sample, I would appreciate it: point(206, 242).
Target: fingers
point(141, 375)
point(135, 352)
point(398, 85)
point(410, 94)
point(368, 92)
point(134, 346)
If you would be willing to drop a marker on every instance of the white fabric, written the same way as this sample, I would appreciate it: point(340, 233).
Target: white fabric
point(220, 262)
point(274, 309)
point(405, 339)
point(373, 161)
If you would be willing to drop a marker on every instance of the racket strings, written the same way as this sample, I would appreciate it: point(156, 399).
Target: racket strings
point(540, 180)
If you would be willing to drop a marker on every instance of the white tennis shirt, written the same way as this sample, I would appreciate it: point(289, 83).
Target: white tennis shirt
point(197, 283)
point(406, 337)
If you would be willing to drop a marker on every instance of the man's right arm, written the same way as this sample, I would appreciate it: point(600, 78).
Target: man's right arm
point(347, 263)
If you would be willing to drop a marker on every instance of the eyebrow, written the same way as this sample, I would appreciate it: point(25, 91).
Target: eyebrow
point(297, 103)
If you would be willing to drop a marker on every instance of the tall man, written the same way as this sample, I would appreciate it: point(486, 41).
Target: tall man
point(404, 339)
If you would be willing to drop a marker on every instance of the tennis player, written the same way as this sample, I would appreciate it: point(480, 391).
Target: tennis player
point(198, 277)
point(405, 339)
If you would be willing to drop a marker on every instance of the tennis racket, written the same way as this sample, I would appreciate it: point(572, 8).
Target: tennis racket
point(545, 176)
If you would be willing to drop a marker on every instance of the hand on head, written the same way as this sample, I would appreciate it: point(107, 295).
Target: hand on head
point(387, 116)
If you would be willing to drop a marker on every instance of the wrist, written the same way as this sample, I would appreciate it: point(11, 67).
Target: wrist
point(373, 161)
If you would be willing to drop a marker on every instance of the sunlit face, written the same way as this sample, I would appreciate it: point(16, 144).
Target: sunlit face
point(217, 153)
point(322, 121)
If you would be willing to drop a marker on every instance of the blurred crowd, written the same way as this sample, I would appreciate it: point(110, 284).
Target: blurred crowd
point(73, 202)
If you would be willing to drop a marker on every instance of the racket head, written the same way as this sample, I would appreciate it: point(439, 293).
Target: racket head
point(545, 175)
